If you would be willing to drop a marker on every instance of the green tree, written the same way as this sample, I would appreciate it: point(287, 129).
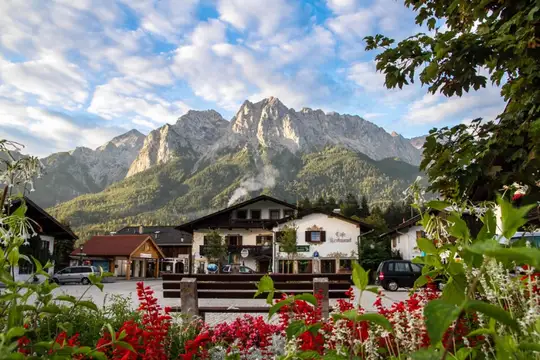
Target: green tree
point(305, 204)
point(321, 203)
point(331, 204)
point(364, 207)
point(216, 248)
point(350, 206)
point(287, 243)
point(376, 219)
point(483, 39)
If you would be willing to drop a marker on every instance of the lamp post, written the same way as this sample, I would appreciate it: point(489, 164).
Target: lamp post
point(81, 254)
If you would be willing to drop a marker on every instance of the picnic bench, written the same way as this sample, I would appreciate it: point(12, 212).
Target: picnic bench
point(191, 288)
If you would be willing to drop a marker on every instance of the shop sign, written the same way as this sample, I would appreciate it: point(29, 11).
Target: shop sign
point(299, 248)
point(339, 237)
point(145, 255)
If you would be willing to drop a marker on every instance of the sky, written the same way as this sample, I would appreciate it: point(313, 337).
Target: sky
point(77, 73)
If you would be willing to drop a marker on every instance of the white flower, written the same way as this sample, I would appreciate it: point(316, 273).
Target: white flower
point(445, 255)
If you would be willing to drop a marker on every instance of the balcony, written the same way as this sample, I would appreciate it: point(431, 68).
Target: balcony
point(254, 250)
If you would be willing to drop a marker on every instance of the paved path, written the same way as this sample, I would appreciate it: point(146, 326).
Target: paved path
point(127, 289)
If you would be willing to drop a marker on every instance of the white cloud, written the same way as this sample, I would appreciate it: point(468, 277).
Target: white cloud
point(53, 131)
point(365, 75)
point(52, 78)
point(342, 6)
point(433, 109)
point(352, 27)
point(124, 98)
point(265, 16)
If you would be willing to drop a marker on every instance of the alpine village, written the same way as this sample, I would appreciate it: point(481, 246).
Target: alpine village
point(135, 225)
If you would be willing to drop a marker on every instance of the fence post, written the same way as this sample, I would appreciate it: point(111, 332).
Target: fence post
point(320, 287)
point(189, 298)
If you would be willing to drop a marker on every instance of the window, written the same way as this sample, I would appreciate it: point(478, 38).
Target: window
point(402, 267)
point(345, 264)
point(274, 214)
point(241, 214)
point(264, 239)
point(416, 268)
point(328, 266)
point(420, 234)
point(315, 236)
point(394, 242)
point(244, 270)
point(286, 266)
point(234, 240)
point(44, 244)
point(256, 214)
point(305, 266)
point(288, 212)
point(66, 271)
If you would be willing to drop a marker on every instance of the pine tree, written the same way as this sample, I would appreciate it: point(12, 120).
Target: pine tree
point(305, 204)
point(331, 204)
point(350, 206)
point(321, 203)
point(364, 208)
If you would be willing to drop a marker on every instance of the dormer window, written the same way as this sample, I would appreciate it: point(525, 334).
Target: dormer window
point(274, 214)
point(241, 214)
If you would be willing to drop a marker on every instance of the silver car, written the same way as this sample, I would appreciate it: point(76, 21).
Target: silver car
point(75, 274)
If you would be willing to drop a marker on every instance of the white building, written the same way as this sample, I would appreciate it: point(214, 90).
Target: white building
point(403, 238)
point(326, 243)
point(251, 229)
point(246, 227)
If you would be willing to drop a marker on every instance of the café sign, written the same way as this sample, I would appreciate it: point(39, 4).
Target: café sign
point(340, 237)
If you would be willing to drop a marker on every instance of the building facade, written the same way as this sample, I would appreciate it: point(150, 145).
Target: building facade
point(176, 246)
point(251, 231)
point(326, 243)
point(129, 256)
point(47, 233)
point(247, 230)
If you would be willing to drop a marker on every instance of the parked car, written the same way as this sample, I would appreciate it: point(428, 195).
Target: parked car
point(75, 274)
point(242, 269)
point(395, 274)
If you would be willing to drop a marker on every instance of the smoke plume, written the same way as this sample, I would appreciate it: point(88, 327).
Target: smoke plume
point(264, 179)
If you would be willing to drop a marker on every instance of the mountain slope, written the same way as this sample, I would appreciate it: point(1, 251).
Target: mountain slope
point(170, 193)
point(83, 170)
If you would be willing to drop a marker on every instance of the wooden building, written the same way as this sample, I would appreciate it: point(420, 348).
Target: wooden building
point(130, 256)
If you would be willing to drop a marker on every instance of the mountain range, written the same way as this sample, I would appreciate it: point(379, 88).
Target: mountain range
point(204, 162)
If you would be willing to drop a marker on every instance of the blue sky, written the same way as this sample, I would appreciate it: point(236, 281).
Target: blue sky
point(77, 73)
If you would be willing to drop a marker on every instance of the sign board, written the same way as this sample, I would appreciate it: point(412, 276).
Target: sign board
point(299, 248)
point(244, 253)
point(145, 255)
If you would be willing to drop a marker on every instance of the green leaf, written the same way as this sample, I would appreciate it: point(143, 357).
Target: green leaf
point(295, 328)
point(275, 308)
point(125, 345)
point(360, 277)
point(426, 246)
point(68, 298)
point(454, 290)
point(308, 355)
point(489, 229)
point(373, 290)
point(512, 218)
point(266, 284)
point(377, 319)
point(314, 329)
point(439, 316)
point(333, 355)
point(98, 355)
point(426, 354)
point(351, 315)
point(494, 312)
point(310, 298)
point(459, 229)
point(13, 256)
point(481, 331)
point(15, 332)
point(51, 309)
point(270, 298)
point(463, 353)
point(88, 304)
point(436, 204)
point(529, 346)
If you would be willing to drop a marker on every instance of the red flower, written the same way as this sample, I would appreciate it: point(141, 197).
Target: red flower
point(517, 196)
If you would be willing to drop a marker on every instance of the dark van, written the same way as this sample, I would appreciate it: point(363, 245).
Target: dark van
point(395, 274)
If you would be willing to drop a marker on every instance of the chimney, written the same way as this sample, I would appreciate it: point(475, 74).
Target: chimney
point(141, 229)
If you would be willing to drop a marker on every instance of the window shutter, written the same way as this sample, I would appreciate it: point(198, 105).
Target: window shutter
point(240, 240)
point(308, 236)
point(323, 236)
point(258, 240)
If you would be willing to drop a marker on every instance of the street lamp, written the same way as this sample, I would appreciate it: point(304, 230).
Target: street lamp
point(81, 254)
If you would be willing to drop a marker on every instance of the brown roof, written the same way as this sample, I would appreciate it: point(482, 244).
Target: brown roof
point(108, 245)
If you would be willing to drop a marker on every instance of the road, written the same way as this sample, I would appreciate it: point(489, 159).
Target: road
point(127, 289)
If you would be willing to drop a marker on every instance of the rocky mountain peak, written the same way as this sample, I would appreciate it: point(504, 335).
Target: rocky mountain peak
point(394, 134)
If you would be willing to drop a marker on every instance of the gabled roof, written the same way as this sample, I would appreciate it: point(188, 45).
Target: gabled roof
point(303, 213)
point(114, 245)
point(162, 235)
point(407, 223)
point(48, 225)
point(237, 206)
